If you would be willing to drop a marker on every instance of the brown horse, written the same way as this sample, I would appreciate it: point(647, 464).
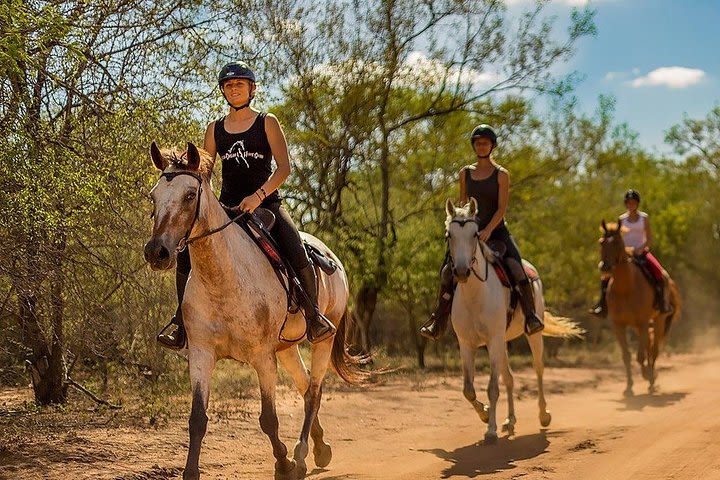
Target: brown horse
point(631, 303)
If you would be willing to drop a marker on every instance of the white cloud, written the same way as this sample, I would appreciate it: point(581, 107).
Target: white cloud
point(419, 65)
point(672, 77)
point(610, 76)
point(417, 70)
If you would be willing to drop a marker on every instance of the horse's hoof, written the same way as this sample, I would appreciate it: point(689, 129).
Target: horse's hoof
point(484, 413)
point(491, 438)
point(285, 470)
point(300, 471)
point(323, 455)
point(508, 427)
point(628, 393)
point(652, 388)
point(545, 418)
point(191, 474)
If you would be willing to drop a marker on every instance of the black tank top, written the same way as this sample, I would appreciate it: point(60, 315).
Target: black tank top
point(246, 161)
point(485, 192)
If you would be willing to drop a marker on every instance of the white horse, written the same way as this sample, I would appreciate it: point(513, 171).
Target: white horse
point(235, 307)
point(479, 317)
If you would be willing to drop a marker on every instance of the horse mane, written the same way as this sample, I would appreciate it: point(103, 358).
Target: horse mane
point(178, 158)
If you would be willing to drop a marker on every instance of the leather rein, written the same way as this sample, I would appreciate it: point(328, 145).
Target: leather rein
point(186, 239)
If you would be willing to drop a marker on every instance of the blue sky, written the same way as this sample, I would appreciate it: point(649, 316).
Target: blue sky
point(637, 43)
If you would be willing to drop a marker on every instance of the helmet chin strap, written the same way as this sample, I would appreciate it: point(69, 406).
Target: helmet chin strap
point(244, 105)
point(488, 155)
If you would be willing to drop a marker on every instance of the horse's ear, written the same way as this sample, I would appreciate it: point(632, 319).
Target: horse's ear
point(157, 157)
point(193, 157)
point(603, 226)
point(450, 208)
point(473, 207)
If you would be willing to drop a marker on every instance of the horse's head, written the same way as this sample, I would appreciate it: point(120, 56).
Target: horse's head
point(612, 246)
point(461, 232)
point(176, 202)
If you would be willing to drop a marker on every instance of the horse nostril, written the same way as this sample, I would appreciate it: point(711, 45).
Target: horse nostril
point(148, 251)
point(163, 253)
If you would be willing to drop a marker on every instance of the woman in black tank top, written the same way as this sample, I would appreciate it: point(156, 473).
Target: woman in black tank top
point(489, 184)
point(247, 141)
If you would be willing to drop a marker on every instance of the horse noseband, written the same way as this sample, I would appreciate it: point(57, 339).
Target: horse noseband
point(170, 176)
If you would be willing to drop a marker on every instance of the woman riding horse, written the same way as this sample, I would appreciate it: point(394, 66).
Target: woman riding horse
point(489, 184)
point(638, 236)
point(247, 140)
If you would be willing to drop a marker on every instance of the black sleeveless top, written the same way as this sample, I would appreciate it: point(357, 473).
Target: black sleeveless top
point(485, 192)
point(246, 161)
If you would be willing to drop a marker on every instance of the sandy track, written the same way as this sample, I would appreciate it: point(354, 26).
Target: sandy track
point(424, 429)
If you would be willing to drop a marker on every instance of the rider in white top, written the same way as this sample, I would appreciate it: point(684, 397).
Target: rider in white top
point(636, 234)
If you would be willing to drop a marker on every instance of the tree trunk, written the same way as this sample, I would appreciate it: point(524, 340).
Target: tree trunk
point(46, 363)
point(365, 303)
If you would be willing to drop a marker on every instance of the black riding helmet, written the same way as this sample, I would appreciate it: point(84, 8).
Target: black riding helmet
point(632, 195)
point(235, 70)
point(486, 131)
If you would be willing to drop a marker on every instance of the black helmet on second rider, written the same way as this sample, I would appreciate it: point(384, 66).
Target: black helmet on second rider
point(484, 131)
point(632, 195)
point(236, 71)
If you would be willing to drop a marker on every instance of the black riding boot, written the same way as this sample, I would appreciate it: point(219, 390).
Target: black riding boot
point(601, 308)
point(176, 339)
point(318, 326)
point(660, 300)
point(533, 323)
point(439, 319)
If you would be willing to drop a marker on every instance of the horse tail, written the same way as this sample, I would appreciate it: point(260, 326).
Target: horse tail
point(348, 366)
point(561, 327)
point(676, 303)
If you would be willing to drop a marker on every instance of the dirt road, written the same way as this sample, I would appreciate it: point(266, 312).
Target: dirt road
point(422, 428)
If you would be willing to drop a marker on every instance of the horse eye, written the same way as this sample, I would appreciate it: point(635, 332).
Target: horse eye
point(190, 196)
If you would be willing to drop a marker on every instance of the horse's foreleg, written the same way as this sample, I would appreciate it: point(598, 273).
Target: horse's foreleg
point(621, 335)
point(266, 369)
point(536, 347)
point(644, 349)
point(496, 350)
point(467, 354)
point(309, 385)
point(655, 344)
point(509, 424)
point(201, 364)
point(311, 425)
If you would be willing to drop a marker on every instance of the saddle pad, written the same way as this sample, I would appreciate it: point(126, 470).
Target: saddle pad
point(501, 273)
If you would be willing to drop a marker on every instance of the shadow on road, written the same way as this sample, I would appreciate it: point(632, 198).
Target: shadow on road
point(479, 459)
point(656, 400)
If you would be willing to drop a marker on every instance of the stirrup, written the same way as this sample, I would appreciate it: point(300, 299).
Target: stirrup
point(431, 330)
point(539, 326)
point(176, 340)
point(325, 327)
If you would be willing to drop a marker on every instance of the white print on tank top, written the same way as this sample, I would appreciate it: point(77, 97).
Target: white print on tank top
point(636, 235)
point(237, 152)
